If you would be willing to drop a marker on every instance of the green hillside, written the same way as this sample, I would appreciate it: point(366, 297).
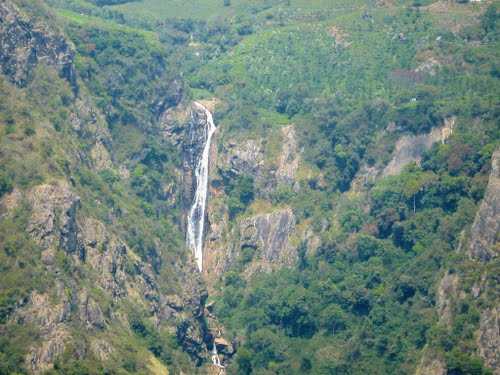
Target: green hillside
point(394, 107)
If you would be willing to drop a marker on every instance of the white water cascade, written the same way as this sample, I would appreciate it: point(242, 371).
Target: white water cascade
point(216, 360)
point(196, 215)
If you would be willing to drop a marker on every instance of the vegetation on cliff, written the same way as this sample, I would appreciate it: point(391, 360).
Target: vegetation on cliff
point(312, 98)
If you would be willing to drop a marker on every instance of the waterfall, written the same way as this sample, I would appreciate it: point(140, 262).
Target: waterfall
point(196, 215)
point(216, 361)
point(215, 357)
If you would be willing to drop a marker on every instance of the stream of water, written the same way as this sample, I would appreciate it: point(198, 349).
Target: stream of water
point(196, 215)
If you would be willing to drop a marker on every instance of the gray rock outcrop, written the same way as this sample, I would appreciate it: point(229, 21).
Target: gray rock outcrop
point(115, 271)
point(24, 43)
point(53, 218)
point(269, 235)
point(446, 295)
point(289, 157)
point(431, 364)
point(485, 233)
point(488, 340)
point(410, 148)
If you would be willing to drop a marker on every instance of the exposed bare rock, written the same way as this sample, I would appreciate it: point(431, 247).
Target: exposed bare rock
point(446, 295)
point(41, 358)
point(410, 148)
point(268, 235)
point(366, 175)
point(215, 251)
point(429, 66)
point(101, 349)
point(479, 286)
point(24, 43)
point(115, 269)
point(225, 349)
point(488, 340)
point(106, 255)
point(186, 312)
point(251, 156)
point(220, 341)
point(100, 156)
point(170, 97)
point(192, 339)
point(431, 364)
point(112, 261)
point(9, 201)
point(485, 233)
point(51, 317)
point(192, 331)
point(53, 220)
point(245, 157)
point(173, 123)
point(289, 158)
point(93, 233)
point(89, 122)
point(90, 312)
point(45, 314)
point(123, 172)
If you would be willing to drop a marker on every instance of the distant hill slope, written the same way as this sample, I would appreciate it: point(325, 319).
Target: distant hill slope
point(352, 211)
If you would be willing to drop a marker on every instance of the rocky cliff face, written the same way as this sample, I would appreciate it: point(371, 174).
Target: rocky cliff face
point(407, 149)
point(27, 42)
point(289, 158)
point(447, 294)
point(481, 246)
point(431, 364)
point(484, 247)
point(53, 219)
point(260, 242)
point(97, 277)
point(267, 236)
point(92, 274)
point(271, 162)
point(24, 43)
point(410, 148)
point(488, 340)
point(264, 236)
point(184, 126)
point(485, 234)
point(100, 257)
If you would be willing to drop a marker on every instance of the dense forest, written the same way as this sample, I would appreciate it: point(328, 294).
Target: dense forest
point(354, 195)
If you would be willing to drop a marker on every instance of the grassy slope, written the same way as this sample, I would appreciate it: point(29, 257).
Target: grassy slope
point(287, 52)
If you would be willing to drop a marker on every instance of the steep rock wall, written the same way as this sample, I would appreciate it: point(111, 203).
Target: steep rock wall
point(102, 259)
point(410, 148)
point(485, 233)
point(24, 43)
point(481, 247)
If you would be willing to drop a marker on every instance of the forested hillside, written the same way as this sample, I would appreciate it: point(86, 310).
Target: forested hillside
point(352, 220)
